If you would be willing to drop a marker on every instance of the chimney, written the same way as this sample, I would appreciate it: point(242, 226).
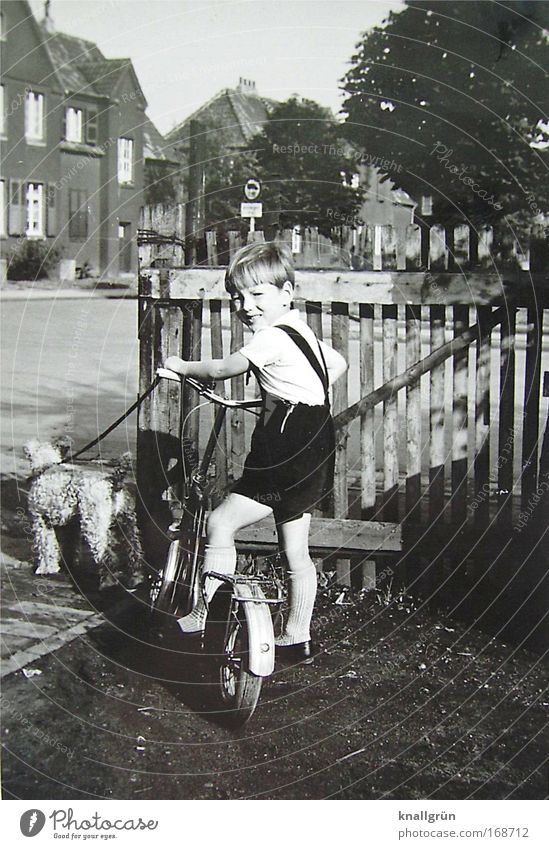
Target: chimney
point(246, 86)
point(47, 23)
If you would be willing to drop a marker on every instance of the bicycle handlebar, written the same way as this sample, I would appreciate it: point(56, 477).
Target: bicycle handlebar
point(206, 391)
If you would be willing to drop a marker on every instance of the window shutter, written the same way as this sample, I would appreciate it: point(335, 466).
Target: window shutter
point(16, 213)
point(65, 123)
point(91, 126)
point(51, 210)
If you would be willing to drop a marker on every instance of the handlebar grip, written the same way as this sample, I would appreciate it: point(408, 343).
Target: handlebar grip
point(168, 374)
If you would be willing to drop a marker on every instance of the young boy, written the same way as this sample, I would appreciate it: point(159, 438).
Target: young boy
point(290, 465)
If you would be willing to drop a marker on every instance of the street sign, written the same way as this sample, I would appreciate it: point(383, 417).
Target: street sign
point(251, 210)
point(252, 189)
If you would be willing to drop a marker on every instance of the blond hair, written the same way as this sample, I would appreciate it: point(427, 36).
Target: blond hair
point(260, 262)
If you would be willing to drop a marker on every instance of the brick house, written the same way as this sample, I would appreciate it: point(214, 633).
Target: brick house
point(77, 144)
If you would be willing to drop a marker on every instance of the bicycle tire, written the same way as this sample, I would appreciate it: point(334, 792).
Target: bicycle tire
point(226, 642)
point(169, 590)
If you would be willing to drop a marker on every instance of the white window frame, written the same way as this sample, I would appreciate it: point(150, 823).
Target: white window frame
point(426, 205)
point(34, 208)
point(3, 122)
point(74, 124)
point(3, 205)
point(34, 116)
point(297, 240)
point(125, 161)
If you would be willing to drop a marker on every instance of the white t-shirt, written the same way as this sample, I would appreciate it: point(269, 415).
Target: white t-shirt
point(284, 371)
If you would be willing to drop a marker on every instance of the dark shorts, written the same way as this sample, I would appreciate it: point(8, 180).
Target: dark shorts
point(290, 467)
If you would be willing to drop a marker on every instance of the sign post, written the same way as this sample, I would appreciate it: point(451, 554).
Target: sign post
point(252, 208)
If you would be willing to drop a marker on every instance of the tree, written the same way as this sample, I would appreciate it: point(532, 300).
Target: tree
point(306, 168)
point(457, 94)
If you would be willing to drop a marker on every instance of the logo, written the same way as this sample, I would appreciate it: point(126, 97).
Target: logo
point(32, 822)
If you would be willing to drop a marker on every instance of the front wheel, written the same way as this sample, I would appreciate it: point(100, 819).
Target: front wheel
point(226, 644)
point(166, 588)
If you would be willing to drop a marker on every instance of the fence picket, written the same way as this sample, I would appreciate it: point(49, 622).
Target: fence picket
point(191, 346)
point(211, 247)
point(238, 436)
point(436, 424)
point(340, 400)
point(389, 317)
point(313, 311)
point(221, 455)
point(482, 422)
point(367, 435)
point(460, 421)
point(532, 380)
point(413, 417)
point(506, 434)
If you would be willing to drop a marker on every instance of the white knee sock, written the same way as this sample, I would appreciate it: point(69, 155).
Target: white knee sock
point(216, 559)
point(302, 594)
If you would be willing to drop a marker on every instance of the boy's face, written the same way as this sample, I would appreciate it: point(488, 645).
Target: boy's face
point(262, 304)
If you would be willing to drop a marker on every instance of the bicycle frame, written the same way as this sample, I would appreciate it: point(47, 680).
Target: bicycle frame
point(246, 590)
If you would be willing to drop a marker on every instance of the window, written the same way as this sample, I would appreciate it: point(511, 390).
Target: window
point(16, 210)
point(35, 210)
point(34, 116)
point(426, 204)
point(125, 161)
point(73, 124)
point(91, 126)
point(51, 210)
point(296, 240)
point(2, 113)
point(78, 214)
point(2, 208)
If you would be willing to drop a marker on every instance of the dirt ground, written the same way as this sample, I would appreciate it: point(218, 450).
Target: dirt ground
point(404, 702)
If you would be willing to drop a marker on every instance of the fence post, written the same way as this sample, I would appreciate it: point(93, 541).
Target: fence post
point(340, 341)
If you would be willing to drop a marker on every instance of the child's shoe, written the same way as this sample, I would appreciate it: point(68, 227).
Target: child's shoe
point(193, 623)
point(296, 652)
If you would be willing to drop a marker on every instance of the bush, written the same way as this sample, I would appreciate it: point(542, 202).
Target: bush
point(32, 260)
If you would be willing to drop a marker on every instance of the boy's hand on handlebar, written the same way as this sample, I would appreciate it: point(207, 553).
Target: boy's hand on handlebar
point(176, 364)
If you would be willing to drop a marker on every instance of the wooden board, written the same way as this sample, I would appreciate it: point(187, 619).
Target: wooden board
point(334, 534)
point(380, 287)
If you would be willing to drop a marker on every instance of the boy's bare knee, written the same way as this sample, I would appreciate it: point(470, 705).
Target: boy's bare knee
point(298, 558)
point(219, 523)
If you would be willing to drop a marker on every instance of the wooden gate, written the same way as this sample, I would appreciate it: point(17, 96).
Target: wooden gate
point(440, 416)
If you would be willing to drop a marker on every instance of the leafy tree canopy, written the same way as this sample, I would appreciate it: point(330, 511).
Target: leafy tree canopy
point(457, 93)
point(305, 167)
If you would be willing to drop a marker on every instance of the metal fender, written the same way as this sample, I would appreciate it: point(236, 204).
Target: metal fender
point(260, 629)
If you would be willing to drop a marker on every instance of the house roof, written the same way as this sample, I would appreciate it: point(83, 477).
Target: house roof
point(249, 109)
point(67, 54)
point(103, 74)
point(154, 143)
point(82, 68)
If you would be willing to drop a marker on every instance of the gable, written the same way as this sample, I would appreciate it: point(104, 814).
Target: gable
point(25, 55)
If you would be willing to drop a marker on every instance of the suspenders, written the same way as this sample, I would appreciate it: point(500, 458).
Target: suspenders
point(306, 350)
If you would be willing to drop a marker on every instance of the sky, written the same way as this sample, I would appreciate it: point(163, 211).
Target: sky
point(185, 51)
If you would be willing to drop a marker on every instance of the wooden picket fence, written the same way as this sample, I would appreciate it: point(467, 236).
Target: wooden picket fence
point(441, 415)
point(414, 247)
